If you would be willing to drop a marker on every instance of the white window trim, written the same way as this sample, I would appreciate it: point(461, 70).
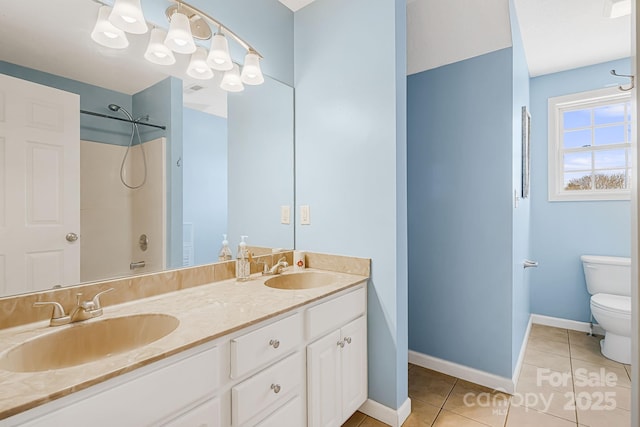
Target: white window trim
point(556, 181)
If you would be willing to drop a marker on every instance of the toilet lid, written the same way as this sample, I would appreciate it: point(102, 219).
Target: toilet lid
point(616, 303)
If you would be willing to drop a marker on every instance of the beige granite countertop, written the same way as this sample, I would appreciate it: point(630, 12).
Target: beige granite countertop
point(205, 313)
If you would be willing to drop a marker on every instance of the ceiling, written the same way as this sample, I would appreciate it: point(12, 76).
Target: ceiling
point(557, 35)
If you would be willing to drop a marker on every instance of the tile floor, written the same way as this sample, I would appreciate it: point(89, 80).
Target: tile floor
point(564, 382)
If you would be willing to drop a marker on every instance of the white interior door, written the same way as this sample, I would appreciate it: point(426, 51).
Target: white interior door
point(39, 186)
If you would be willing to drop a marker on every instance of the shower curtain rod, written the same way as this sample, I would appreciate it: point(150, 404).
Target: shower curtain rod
point(106, 116)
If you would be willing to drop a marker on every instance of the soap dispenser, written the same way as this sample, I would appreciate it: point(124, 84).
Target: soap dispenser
point(225, 251)
point(243, 266)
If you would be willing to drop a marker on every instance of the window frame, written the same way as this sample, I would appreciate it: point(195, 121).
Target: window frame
point(582, 100)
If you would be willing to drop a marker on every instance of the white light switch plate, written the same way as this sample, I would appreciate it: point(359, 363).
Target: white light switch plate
point(305, 218)
point(285, 214)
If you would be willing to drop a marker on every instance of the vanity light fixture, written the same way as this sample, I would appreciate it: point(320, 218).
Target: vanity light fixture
point(186, 23)
point(157, 52)
point(127, 15)
point(105, 33)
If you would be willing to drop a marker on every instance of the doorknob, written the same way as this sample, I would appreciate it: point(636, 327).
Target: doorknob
point(71, 237)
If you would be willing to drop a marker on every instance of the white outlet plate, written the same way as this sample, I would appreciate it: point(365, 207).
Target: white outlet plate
point(285, 214)
point(305, 218)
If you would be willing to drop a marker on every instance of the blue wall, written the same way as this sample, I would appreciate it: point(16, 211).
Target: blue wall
point(562, 231)
point(205, 182)
point(350, 161)
point(460, 212)
point(521, 215)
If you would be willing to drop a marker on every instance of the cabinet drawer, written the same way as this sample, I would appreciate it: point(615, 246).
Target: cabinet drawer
point(274, 384)
point(205, 415)
point(335, 313)
point(265, 345)
point(145, 400)
point(288, 415)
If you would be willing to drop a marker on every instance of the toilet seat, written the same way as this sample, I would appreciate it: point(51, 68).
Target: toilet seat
point(617, 304)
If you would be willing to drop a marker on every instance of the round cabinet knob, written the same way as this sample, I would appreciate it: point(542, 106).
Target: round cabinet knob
point(71, 237)
point(275, 388)
point(348, 340)
point(274, 343)
point(341, 344)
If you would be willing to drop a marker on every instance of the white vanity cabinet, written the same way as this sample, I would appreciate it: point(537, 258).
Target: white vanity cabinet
point(307, 366)
point(337, 362)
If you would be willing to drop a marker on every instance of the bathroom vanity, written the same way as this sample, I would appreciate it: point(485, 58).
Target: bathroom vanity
point(243, 354)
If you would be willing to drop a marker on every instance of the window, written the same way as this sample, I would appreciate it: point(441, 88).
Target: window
point(590, 146)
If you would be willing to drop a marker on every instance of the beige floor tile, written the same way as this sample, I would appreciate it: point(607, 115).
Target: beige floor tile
point(548, 332)
point(520, 416)
point(449, 419)
point(422, 414)
point(628, 369)
point(355, 420)
point(592, 355)
point(372, 422)
point(429, 386)
point(601, 418)
point(584, 371)
point(603, 397)
point(549, 346)
point(478, 403)
point(546, 391)
point(547, 360)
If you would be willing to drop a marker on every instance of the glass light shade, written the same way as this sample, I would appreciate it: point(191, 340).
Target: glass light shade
point(157, 52)
point(231, 82)
point(106, 34)
point(179, 37)
point(251, 73)
point(127, 15)
point(198, 67)
point(219, 58)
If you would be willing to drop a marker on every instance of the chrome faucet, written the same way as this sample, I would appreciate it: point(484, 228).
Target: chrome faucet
point(83, 310)
point(278, 266)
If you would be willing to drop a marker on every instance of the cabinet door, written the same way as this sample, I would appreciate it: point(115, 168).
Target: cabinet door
point(205, 415)
point(354, 366)
point(323, 381)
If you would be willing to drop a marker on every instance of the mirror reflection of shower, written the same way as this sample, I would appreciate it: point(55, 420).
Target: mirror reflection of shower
point(134, 132)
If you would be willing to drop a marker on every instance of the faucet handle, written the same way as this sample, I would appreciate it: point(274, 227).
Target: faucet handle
point(58, 311)
point(96, 298)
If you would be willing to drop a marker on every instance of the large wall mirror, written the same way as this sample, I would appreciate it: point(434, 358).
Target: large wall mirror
point(222, 165)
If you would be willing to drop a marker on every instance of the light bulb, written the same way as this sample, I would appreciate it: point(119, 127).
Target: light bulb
point(179, 37)
point(198, 68)
point(157, 52)
point(127, 16)
point(105, 33)
point(251, 72)
point(219, 58)
point(231, 81)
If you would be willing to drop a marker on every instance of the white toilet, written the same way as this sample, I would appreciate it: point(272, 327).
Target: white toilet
point(609, 283)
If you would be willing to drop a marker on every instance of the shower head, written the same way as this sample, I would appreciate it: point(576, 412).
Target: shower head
point(116, 107)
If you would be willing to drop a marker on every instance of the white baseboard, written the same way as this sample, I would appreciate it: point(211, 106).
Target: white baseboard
point(523, 348)
point(384, 414)
point(463, 372)
point(558, 322)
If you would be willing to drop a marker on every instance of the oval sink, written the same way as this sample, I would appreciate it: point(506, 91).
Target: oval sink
point(86, 342)
point(306, 280)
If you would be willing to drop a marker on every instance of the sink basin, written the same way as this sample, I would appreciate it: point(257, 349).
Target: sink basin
point(306, 280)
point(86, 342)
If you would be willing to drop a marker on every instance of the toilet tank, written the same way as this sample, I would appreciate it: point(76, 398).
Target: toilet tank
point(607, 274)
